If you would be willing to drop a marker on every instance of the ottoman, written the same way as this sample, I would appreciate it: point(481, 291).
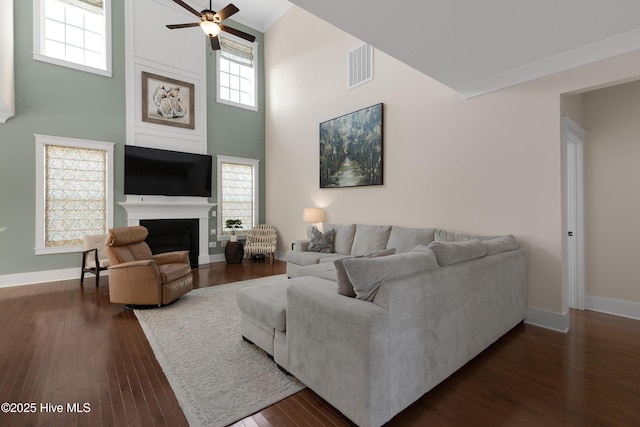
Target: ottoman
point(263, 314)
point(262, 310)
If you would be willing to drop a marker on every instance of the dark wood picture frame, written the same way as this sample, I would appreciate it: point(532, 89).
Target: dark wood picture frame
point(167, 101)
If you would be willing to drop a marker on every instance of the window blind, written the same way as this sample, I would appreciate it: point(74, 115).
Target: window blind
point(237, 52)
point(75, 194)
point(95, 6)
point(237, 194)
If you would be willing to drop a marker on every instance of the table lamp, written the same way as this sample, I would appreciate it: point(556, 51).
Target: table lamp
point(312, 216)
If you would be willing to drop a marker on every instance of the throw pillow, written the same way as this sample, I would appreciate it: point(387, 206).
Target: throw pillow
point(367, 274)
point(500, 244)
point(370, 238)
point(344, 237)
point(345, 287)
point(453, 252)
point(321, 242)
point(452, 236)
point(405, 239)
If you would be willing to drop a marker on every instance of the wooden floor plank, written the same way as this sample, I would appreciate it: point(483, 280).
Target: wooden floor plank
point(64, 343)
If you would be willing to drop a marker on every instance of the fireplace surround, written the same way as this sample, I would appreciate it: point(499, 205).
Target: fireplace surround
point(141, 208)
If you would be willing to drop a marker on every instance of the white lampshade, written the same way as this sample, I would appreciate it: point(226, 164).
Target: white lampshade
point(210, 28)
point(313, 215)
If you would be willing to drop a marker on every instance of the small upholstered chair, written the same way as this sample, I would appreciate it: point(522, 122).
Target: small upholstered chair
point(94, 256)
point(136, 277)
point(262, 239)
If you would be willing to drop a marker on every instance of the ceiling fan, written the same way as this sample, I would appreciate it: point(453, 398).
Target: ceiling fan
point(211, 23)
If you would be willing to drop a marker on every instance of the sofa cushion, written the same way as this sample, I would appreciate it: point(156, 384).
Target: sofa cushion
point(331, 258)
point(345, 287)
point(405, 239)
point(321, 242)
point(452, 236)
point(453, 252)
point(266, 303)
point(324, 270)
point(307, 257)
point(343, 240)
point(369, 239)
point(500, 244)
point(366, 274)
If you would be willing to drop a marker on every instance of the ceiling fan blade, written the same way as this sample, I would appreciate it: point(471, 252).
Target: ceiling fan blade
point(186, 6)
point(238, 33)
point(174, 26)
point(226, 12)
point(215, 43)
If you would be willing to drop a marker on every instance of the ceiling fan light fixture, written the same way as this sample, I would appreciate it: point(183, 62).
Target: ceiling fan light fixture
point(210, 28)
point(210, 22)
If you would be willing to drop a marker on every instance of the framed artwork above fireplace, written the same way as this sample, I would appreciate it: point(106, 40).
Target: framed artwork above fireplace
point(167, 101)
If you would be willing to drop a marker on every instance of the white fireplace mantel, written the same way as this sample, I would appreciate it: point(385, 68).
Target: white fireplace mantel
point(160, 207)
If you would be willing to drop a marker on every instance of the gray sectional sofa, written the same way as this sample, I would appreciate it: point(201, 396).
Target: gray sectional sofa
point(388, 314)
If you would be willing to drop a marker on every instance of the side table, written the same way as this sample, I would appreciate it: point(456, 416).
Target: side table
point(234, 252)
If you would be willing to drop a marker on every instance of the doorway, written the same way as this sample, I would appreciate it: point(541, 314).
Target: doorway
point(573, 137)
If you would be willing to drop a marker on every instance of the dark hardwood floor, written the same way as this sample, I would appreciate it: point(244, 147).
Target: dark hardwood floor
point(61, 344)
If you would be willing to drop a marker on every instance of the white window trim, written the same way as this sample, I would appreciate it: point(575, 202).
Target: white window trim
point(37, 42)
point(255, 78)
point(41, 141)
point(256, 185)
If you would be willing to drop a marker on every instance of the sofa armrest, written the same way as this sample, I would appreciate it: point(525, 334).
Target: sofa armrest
point(301, 245)
point(339, 347)
point(140, 263)
point(179, 257)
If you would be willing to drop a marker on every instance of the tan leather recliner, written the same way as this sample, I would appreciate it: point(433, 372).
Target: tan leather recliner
point(136, 277)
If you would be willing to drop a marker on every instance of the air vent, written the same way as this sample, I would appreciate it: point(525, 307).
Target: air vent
point(360, 65)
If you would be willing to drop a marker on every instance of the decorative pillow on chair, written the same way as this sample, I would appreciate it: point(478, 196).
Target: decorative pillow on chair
point(321, 242)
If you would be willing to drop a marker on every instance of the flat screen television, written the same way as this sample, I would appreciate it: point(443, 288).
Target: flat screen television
point(151, 171)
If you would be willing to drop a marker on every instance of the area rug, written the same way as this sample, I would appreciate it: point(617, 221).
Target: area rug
point(216, 376)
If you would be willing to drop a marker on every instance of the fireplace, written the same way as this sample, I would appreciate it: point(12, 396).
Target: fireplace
point(145, 208)
point(166, 235)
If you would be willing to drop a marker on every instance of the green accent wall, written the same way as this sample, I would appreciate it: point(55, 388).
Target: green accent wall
point(60, 101)
point(234, 131)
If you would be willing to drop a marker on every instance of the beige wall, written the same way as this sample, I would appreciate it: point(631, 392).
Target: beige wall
point(488, 165)
point(612, 195)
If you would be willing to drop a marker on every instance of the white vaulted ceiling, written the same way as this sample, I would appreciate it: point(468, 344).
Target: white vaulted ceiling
point(473, 46)
point(258, 14)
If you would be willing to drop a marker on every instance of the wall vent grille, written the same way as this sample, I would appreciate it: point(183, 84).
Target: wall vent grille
point(360, 65)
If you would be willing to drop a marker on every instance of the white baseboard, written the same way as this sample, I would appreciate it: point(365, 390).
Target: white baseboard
point(217, 258)
point(613, 306)
point(282, 256)
point(548, 319)
point(42, 276)
point(30, 278)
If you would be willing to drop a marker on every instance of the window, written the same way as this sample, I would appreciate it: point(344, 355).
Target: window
point(236, 65)
point(73, 33)
point(238, 186)
point(74, 192)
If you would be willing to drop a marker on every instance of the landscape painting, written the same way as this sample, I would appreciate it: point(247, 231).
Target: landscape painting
point(351, 149)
